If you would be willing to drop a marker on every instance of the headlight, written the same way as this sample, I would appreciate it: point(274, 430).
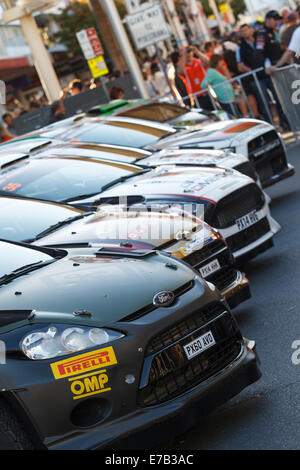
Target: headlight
point(59, 340)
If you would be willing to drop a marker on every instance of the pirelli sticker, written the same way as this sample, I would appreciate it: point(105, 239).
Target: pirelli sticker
point(84, 363)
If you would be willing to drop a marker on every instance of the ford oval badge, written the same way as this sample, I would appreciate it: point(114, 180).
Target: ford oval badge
point(163, 299)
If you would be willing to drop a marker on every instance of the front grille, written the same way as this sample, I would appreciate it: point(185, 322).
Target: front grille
point(247, 169)
point(267, 154)
point(235, 205)
point(249, 235)
point(204, 253)
point(170, 373)
point(149, 308)
point(223, 278)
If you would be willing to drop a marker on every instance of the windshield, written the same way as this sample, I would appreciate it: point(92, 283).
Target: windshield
point(15, 257)
point(56, 179)
point(18, 220)
point(161, 112)
point(115, 133)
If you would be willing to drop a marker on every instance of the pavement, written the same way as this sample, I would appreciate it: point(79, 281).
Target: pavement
point(266, 415)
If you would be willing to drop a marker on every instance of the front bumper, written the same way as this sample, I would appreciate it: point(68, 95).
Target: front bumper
point(147, 427)
point(289, 171)
point(238, 291)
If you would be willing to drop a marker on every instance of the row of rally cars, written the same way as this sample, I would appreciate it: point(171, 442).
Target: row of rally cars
point(123, 234)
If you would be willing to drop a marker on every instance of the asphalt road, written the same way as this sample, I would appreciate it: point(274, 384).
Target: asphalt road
point(266, 415)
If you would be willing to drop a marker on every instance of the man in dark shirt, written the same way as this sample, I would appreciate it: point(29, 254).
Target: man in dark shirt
point(265, 39)
point(265, 42)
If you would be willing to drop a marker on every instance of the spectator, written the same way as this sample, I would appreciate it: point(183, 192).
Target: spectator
point(159, 80)
point(229, 53)
point(116, 93)
point(284, 13)
point(266, 43)
point(94, 83)
point(58, 111)
point(223, 90)
point(248, 58)
point(195, 70)
point(75, 87)
point(8, 119)
point(291, 26)
point(180, 83)
point(292, 50)
point(149, 84)
point(4, 134)
point(33, 105)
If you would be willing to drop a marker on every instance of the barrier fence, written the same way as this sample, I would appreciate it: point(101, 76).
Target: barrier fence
point(277, 98)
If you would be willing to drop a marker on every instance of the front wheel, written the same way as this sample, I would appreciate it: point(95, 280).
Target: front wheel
point(12, 435)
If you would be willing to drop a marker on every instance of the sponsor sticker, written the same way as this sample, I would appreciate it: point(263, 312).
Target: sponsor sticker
point(89, 384)
point(84, 363)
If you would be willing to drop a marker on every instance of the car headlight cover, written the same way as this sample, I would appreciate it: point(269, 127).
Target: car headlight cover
point(59, 340)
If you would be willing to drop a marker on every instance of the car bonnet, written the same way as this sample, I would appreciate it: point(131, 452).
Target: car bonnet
point(195, 157)
point(145, 230)
point(206, 183)
point(111, 287)
point(219, 134)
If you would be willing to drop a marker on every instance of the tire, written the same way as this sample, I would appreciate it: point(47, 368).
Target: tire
point(12, 435)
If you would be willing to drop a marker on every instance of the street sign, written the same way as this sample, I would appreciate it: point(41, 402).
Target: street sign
point(89, 43)
point(135, 6)
point(98, 67)
point(148, 27)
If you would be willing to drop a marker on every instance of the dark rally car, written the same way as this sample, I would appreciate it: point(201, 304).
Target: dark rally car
point(107, 348)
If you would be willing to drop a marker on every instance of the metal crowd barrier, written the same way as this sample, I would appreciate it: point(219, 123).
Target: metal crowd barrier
point(282, 88)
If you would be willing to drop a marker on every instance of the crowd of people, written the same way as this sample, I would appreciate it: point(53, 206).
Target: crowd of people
point(58, 110)
point(193, 74)
point(217, 66)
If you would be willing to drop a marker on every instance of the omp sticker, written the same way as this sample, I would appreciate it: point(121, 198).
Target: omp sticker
point(11, 187)
point(84, 363)
point(89, 384)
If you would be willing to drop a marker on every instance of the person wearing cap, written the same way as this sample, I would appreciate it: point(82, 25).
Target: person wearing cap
point(265, 40)
point(267, 44)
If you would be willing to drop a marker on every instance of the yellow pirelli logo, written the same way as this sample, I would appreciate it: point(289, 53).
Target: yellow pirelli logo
point(84, 363)
point(89, 384)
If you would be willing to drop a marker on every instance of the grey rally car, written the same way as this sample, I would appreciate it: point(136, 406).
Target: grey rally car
point(106, 348)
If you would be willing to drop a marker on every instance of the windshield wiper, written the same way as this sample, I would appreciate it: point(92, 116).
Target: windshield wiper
point(125, 178)
point(108, 185)
point(28, 268)
point(60, 224)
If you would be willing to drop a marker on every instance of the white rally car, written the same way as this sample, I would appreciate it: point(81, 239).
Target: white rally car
point(231, 202)
point(257, 140)
point(209, 158)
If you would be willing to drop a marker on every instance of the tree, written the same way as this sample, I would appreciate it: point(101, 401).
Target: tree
point(73, 18)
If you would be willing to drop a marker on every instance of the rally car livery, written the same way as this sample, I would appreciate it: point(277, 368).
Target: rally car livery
point(178, 234)
point(231, 202)
point(92, 363)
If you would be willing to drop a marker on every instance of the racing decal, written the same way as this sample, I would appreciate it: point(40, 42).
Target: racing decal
point(84, 363)
point(194, 245)
point(242, 127)
point(89, 384)
point(11, 187)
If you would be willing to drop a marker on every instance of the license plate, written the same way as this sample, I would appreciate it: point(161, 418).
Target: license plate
point(247, 220)
point(198, 345)
point(210, 268)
